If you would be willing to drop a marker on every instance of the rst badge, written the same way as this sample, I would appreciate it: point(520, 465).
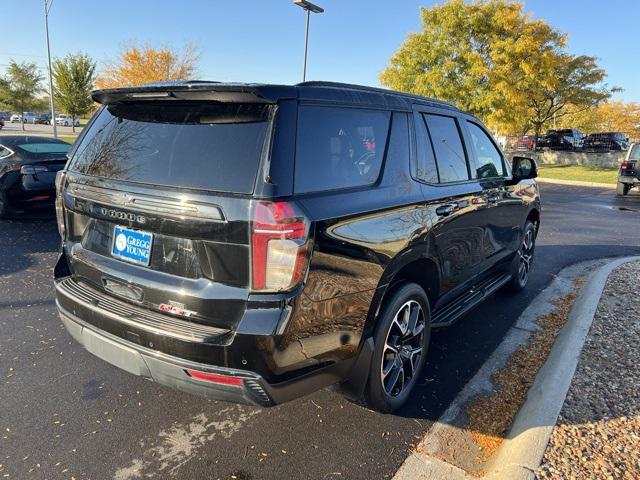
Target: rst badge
point(176, 308)
point(132, 245)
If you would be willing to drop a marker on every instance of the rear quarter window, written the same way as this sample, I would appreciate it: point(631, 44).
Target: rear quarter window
point(339, 147)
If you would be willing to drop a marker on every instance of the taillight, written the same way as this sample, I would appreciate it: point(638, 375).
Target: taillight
point(279, 246)
point(60, 176)
point(624, 166)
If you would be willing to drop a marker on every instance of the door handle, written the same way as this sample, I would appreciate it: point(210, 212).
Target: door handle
point(446, 209)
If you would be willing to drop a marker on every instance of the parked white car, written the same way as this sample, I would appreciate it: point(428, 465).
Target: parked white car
point(15, 118)
point(67, 120)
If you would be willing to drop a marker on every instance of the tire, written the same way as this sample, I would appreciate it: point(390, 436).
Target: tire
point(622, 189)
point(523, 259)
point(400, 349)
point(4, 207)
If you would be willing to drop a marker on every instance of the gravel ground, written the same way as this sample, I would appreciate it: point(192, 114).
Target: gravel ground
point(598, 430)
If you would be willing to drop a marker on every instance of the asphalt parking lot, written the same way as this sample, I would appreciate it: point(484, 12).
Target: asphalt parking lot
point(67, 414)
point(40, 130)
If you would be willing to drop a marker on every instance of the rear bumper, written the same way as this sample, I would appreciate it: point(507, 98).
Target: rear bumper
point(139, 342)
point(26, 198)
point(165, 369)
point(22, 195)
point(629, 179)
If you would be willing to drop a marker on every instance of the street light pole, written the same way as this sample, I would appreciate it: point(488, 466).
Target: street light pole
point(309, 8)
point(306, 46)
point(47, 6)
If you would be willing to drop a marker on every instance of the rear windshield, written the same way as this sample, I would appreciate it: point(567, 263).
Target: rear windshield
point(45, 147)
point(209, 146)
point(634, 154)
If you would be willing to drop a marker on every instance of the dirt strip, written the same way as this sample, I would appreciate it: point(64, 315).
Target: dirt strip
point(489, 417)
point(474, 426)
point(598, 431)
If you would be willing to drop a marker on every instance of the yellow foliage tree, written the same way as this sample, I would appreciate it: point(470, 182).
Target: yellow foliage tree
point(143, 64)
point(494, 60)
point(608, 117)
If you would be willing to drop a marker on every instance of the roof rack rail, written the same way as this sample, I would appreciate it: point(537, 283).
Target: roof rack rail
point(365, 88)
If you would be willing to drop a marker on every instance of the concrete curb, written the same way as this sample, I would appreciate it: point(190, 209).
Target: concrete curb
point(431, 458)
point(522, 451)
point(576, 183)
point(420, 467)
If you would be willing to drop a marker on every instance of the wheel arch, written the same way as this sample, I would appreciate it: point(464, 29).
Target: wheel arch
point(412, 266)
point(534, 217)
point(415, 265)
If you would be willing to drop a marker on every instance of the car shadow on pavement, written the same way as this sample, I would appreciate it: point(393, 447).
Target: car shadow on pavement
point(21, 238)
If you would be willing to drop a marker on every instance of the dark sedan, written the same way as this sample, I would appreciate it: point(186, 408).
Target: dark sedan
point(28, 167)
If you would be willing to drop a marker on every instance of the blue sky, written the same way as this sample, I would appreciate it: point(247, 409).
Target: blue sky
point(262, 41)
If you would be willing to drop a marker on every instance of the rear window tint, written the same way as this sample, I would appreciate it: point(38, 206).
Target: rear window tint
point(450, 155)
point(207, 146)
point(339, 147)
point(45, 147)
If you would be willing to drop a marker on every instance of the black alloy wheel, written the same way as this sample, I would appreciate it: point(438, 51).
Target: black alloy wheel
point(402, 348)
point(523, 260)
point(401, 343)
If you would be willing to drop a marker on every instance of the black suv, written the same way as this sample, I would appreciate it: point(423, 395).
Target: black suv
point(254, 243)
point(606, 141)
point(566, 139)
point(629, 173)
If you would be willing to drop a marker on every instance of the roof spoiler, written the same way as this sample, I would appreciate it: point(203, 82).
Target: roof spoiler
point(194, 90)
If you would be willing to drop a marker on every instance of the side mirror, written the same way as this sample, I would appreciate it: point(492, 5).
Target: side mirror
point(524, 168)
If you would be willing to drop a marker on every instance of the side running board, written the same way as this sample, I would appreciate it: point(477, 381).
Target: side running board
point(448, 314)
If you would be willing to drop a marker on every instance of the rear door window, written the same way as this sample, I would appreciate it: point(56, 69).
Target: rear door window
point(207, 146)
point(488, 156)
point(447, 144)
point(339, 147)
